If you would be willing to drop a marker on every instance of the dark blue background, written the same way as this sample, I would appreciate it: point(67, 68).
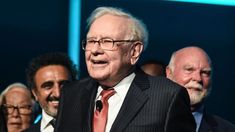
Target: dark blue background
point(29, 28)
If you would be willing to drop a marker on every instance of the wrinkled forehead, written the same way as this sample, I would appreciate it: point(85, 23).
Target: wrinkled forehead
point(192, 57)
point(18, 96)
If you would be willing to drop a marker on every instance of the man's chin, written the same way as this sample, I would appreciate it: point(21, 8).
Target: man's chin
point(195, 102)
point(52, 113)
point(99, 77)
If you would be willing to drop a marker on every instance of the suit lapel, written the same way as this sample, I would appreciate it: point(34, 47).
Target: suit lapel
point(88, 103)
point(37, 126)
point(133, 102)
point(34, 127)
point(208, 123)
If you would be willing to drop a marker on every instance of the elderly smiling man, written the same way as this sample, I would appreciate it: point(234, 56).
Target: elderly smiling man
point(118, 96)
point(191, 67)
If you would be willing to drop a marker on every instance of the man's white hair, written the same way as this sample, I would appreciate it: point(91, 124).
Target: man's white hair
point(14, 85)
point(138, 28)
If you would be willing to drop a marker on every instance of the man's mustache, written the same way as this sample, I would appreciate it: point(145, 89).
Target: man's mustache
point(52, 98)
point(193, 84)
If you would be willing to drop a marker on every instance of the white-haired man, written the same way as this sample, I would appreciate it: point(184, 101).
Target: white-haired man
point(191, 67)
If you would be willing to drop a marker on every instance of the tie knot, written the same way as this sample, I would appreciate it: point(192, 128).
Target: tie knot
point(106, 94)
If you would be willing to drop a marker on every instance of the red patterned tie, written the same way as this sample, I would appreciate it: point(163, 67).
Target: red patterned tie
point(100, 117)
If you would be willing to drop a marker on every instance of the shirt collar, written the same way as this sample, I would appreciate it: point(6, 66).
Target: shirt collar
point(198, 116)
point(45, 120)
point(121, 88)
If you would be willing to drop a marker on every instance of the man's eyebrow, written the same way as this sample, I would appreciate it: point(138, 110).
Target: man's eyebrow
point(46, 83)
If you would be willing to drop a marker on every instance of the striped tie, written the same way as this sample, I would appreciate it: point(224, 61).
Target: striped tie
point(100, 116)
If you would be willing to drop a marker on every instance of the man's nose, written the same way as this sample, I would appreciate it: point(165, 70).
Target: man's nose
point(16, 112)
point(96, 48)
point(56, 90)
point(197, 77)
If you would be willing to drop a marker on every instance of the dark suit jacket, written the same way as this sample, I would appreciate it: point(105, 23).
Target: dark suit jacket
point(212, 123)
point(3, 125)
point(34, 127)
point(152, 104)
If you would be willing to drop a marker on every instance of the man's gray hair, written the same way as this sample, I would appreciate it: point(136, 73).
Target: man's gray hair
point(138, 28)
point(171, 64)
point(11, 86)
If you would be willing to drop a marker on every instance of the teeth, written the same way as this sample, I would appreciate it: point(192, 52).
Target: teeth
point(55, 101)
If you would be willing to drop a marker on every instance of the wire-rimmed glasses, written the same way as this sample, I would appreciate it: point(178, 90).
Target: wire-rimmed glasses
point(104, 43)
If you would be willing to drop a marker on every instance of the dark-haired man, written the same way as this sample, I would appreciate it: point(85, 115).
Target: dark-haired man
point(46, 74)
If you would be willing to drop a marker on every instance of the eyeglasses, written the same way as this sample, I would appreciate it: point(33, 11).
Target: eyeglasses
point(104, 43)
point(23, 110)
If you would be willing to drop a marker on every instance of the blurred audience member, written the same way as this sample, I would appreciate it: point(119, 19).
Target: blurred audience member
point(17, 104)
point(191, 67)
point(154, 68)
point(46, 74)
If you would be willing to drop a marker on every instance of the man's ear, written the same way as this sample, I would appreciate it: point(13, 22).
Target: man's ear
point(34, 94)
point(168, 72)
point(136, 51)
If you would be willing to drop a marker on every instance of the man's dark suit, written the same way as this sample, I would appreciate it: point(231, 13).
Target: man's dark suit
point(34, 127)
point(3, 127)
point(149, 106)
point(212, 123)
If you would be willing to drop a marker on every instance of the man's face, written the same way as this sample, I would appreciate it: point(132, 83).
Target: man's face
point(16, 121)
point(49, 80)
point(109, 67)
point(192, 70)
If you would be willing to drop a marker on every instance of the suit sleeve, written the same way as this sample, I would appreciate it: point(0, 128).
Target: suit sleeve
point(179, 117)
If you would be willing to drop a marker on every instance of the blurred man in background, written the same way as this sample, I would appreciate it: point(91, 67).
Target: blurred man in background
point(191, 67)
point(17, 105)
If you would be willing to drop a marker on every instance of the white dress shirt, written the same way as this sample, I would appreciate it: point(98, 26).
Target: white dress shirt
point(45, 123)
point(115, 101)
